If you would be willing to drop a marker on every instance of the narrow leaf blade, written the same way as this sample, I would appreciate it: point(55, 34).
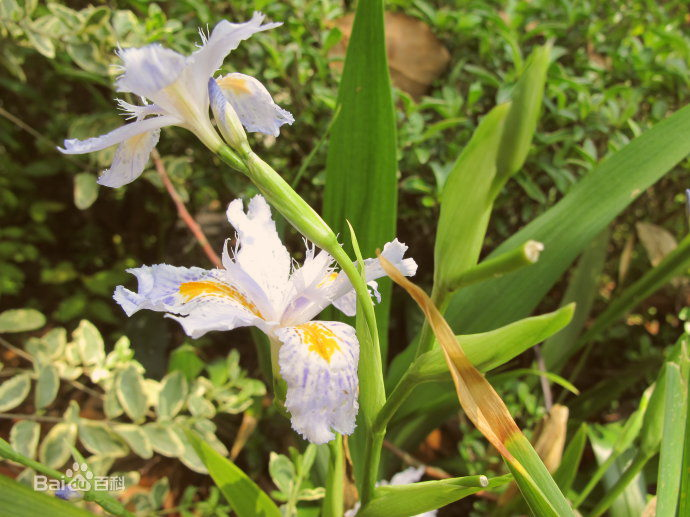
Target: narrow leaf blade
point(245, 497)
point(571, 224)
point(361, 164)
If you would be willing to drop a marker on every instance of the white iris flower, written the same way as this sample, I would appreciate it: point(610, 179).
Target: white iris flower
point(260, 286)
point(177, 88)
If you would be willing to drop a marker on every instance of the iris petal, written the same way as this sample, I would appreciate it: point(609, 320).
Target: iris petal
point(224, 38)
point(117, 136)
point(200, 300)
point(259, 250)
point(149, 69)
point(343, 295)
point(253, 104)
point(130, 159)
point(318, 361)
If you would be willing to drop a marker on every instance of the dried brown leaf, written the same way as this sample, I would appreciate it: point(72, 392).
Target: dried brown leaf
point(483, 406)
point(657, 241)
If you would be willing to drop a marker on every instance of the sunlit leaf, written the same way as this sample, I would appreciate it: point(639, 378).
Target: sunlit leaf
point(244, 496)
point(21, 320)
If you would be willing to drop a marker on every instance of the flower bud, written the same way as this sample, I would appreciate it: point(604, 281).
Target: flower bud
point(226, 117)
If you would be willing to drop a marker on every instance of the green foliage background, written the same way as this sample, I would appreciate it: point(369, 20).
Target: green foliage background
point(618, 68)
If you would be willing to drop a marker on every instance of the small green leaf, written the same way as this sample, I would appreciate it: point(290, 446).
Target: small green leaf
point(24, 437)
point(54, 341)
point(21, 320)
point(311, 494)
point(282, 472)
point(173, 395)
point(14, 391)
point(47, 386)
point(111, 405)
point(201, 407)
point(186, 360)
point(42, 43)
point(164, 440)
point(97, 438)
point(136, 438)
point(244, 496)
point(189, 457)
point(56, 447)
point(129, 386)
point(100, 465)
point(69, 17)
point(89, 343)
point(87, 57)
point(159, 492)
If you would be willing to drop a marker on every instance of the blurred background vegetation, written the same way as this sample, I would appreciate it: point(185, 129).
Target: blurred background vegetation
point(618, 68)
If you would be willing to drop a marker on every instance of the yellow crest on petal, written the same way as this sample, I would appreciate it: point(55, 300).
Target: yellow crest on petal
point(319, 339)
point(192, 290)
point(238, 85)
point(328, 280)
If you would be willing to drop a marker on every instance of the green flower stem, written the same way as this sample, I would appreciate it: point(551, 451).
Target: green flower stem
point(335, 482)
point(282, 197)
point(370, 375)
point(393, 402)
point(441, 299)
point(103, 499)
point(524, 255)
point(303, 217)
point(496, 267)
point(232, 158)
point(372, 458)
point(633, 469)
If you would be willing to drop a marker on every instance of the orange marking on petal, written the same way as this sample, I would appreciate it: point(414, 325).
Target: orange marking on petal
point(330, 278)
point(191, 290)
point(238, 85)
point(320, 339)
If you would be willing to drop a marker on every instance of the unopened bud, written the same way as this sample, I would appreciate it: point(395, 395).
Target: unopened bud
point(228, 122)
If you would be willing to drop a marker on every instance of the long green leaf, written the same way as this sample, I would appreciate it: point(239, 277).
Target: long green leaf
point(486, 350)
point(416, 498)
point(582, 289)
point(361, 162)
point(523, 116)
point(21, 501)
point(571, 224)
point(245, 496)
point(536, 484)
point(684, 502)
point(570, 462)
point(672, 442)
point(466, 202)
point(672, 264)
